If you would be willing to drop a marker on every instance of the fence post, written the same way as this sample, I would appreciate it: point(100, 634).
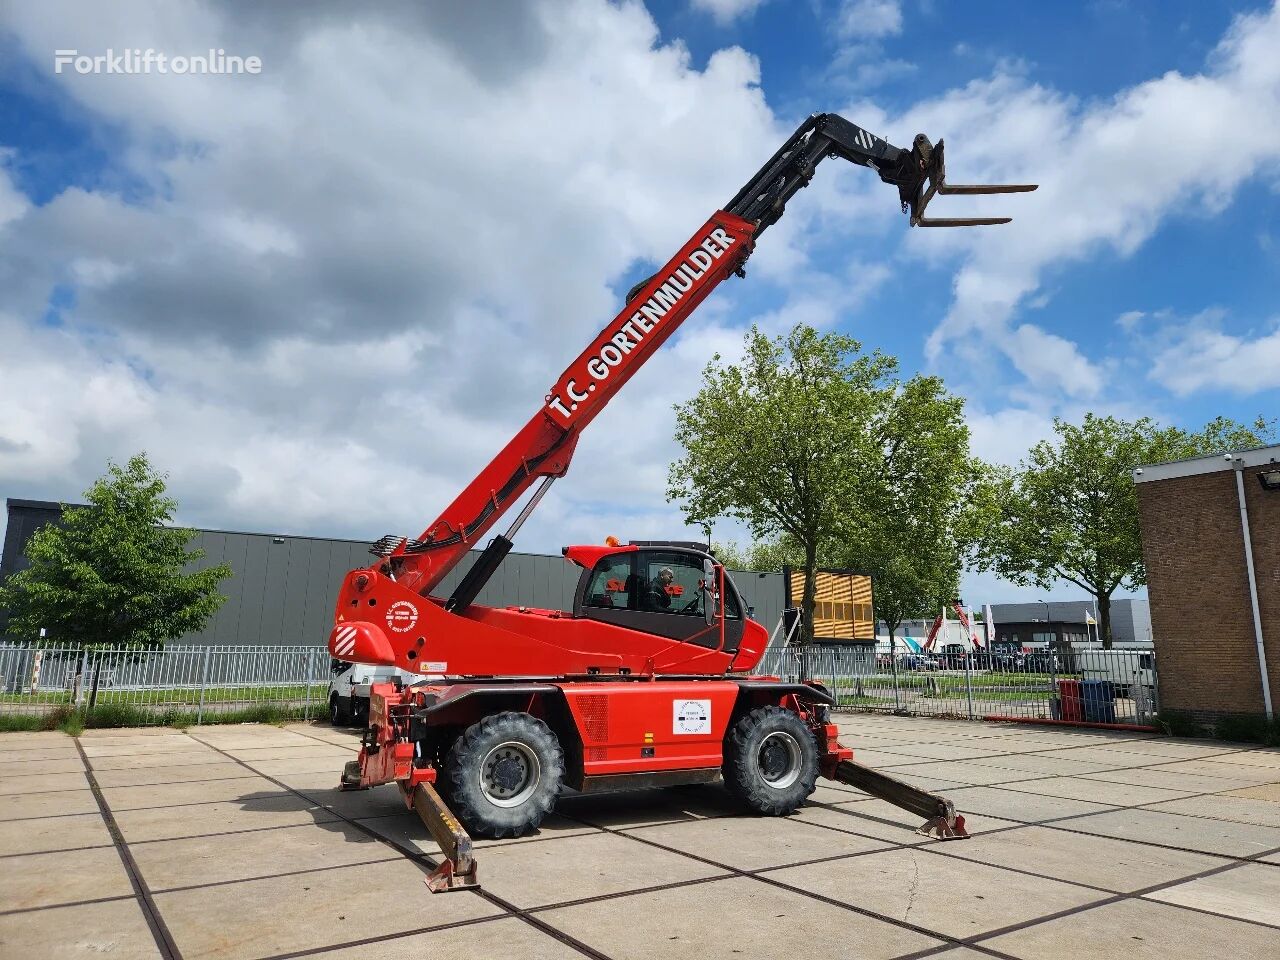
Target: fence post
point(311, 682)
point(204, 683)
point(893, 669)
point(968, 682)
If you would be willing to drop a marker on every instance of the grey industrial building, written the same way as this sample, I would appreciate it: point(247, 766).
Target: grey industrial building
point(284, 586)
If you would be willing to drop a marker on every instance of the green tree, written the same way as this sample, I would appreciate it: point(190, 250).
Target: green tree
point(1070, 510)
point(813, 445)
point(111, 574)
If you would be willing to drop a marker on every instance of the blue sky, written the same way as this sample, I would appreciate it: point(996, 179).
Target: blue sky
point(323, 296)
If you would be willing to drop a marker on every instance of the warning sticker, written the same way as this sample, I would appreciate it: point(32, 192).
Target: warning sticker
point(691, 716)
point(434, 666)
point(402, 616)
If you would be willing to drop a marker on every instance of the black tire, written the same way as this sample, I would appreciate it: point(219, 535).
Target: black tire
point(503, 775)
point(339, 716)
point(770, 761)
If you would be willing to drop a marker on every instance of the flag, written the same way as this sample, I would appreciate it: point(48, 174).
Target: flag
point(1088, 618)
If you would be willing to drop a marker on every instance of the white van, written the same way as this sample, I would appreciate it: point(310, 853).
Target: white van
point(1126, 669)
point(349, 689)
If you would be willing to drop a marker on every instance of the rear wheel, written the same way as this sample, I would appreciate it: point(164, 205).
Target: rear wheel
point(503, 775)
point(770, 761)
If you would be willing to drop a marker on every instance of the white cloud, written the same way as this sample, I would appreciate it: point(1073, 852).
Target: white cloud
point(726, 11)
point(1199, 355)
point(1110, 173)
point(868, 18)
point(347, 290)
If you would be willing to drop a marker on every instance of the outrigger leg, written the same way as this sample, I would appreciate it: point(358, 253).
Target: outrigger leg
point(457, 871)
point(940, 813)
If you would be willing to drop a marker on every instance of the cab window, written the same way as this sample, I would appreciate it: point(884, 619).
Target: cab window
point(673, 584)
point(612, 585)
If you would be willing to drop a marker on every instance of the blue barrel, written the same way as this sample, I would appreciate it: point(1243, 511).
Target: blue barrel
point(1098, 698)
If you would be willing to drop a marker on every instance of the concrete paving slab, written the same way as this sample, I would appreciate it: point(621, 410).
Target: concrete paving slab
point(318, 764)
point(889, 756)
point(1253, 758)
point(954, 897)
point(1138, 930)
point(753, 843)
point(206, 819)
point(971, 772)
point(407, 830)
point(751, 919)
point(1249, 892)
point(1099, 791)
point(970, 750)
point(33, 739)
point(505, 937)
point(117, 930)
point(309, 911)
point(156, 761)
point(1097, 861)
point(123, 733)
point(1238, 774)
point(1179, 749)
point(322, 788)
point(200, 791)
point(827, 792)
point(1059, 764)
point(181, 773)
point(1011, 805)
point(1237, 809)
point(167, 864)
point(590, 865)
point(635, 808)
point(1169, 779)
point(47, 879)
point(882, 821)
point(1266, 791)
point(331, 751)
point(44, 782)
point(54, 833)
point(36, 752)
point(27, 806)
point(135, 746)
point(1177, 830)
point(26, 768)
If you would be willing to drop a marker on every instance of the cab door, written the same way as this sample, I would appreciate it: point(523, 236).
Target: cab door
point(658, 591)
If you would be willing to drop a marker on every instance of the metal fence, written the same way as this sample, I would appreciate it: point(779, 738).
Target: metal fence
point(1073, 684)
point(178, 683)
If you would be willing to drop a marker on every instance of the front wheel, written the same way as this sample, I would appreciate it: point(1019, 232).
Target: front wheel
point(770, 761)
point(339, 715)
point(503, 775)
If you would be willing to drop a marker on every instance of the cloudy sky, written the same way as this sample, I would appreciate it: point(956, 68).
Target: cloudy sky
point(321, 297)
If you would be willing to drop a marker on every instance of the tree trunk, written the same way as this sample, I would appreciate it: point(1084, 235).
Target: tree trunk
point(1104, 619)
point(810, 591)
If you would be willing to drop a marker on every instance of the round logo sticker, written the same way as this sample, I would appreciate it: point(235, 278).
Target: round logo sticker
point(402, 616)
point(691, 716)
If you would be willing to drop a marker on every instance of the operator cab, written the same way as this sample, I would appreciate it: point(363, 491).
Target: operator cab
point(656, 587)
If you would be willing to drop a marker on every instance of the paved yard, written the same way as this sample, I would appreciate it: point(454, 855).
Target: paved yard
point(233, 842)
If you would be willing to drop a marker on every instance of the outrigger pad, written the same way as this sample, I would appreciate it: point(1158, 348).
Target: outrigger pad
point(445, 878)
point(351, 776)
point(457, 871)
point(952, 830)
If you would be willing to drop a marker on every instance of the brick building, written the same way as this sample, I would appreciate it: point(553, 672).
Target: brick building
point(1211, 542)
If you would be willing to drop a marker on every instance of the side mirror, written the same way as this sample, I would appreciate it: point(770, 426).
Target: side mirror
point(711, 598)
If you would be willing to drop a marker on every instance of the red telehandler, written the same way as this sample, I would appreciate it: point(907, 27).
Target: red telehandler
point(648, 680)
